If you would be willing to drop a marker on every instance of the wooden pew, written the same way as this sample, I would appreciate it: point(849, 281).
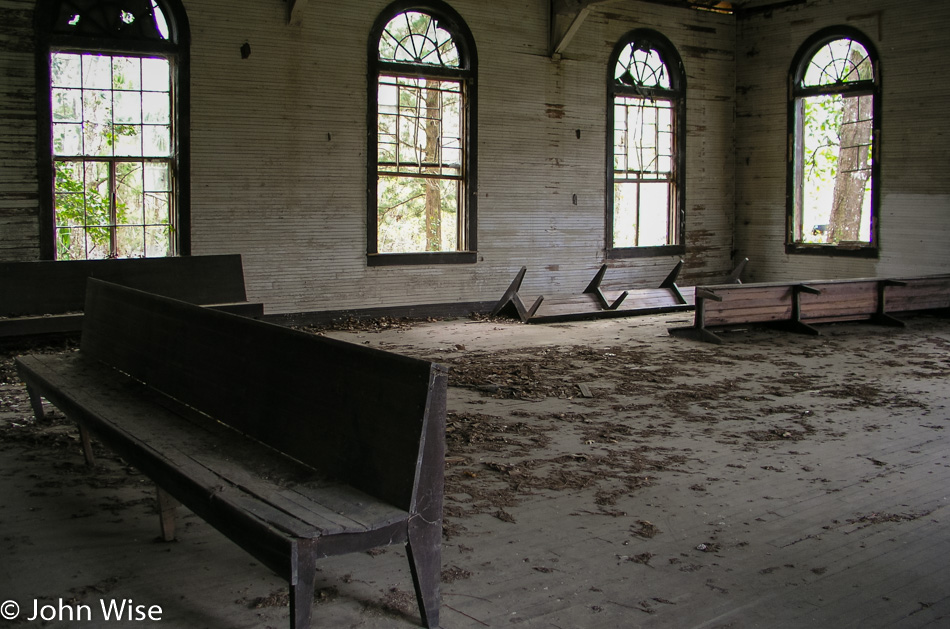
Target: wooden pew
point(797, 306)
point(295, 446)
point(597, 302)
point(47, 297)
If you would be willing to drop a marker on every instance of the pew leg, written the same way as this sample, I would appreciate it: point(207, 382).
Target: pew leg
point(86, 440)
point(36, 402)
point(881, 318)
point(696, 334)
point(303, 572)
point(798, 327)
point(166, 514)
point(424, 549)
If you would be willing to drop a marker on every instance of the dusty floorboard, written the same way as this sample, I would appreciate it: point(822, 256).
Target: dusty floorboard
point(599, 474)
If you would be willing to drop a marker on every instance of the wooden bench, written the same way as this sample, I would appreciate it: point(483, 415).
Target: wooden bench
point(294, 446)
point(47, 297)
point(597, 302)
point(798, 306)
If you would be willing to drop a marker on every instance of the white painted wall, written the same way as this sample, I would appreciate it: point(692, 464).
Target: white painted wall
point(279, 163)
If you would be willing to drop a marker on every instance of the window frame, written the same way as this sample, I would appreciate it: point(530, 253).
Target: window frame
point(175, 49)
point(676, 95)
point(796, 92)
point(466, 74)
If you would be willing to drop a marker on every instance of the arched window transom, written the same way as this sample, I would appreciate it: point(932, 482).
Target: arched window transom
point(414, 37)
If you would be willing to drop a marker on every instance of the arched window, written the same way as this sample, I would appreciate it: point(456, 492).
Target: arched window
point(834, 121)
point(421, 93)
point(113, 147)
point(646, 137)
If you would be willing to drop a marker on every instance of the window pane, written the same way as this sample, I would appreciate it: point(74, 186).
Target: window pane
point(67, 139)
point(157, 241)
point(126, 73)
point(98, 196)
point(65, 70)
point(98, 241)
point(69, 177)
point(127, 107)
point(387, 96)
point(128, 193)
point(625, 215)
point(157, 177)
point(96, 72)
point(127, 140)
point(155, 106)
point(654, 214)
point(70, 210)
point(417, 214)
point(130, 242)
point(70, 243)
point(157, 140)
point(66, 105)
point(155, 75)
point(157, 206)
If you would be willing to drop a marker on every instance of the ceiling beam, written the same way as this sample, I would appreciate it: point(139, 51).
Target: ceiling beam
point(295, 9)
point(567, 16)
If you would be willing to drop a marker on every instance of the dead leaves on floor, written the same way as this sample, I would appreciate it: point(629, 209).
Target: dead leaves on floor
point(618, 407)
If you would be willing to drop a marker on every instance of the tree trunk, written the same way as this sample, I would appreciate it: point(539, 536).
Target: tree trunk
point(852, 174)
point(433, 224)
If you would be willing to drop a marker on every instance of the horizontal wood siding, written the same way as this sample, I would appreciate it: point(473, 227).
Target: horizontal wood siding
point(279, 164)
point(915, 191)
point(19, 226)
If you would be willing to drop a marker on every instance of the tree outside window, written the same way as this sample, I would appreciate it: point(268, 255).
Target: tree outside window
point(646, 116)
point(833, 166)
point(422, 202)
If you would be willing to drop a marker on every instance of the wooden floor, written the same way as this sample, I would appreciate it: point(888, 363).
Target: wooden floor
point(599, 474)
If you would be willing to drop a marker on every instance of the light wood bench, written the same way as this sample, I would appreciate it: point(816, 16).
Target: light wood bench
point(798, 306)
point(294, 446)
point(47, 297)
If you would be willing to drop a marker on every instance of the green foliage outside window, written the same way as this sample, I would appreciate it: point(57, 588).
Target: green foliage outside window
point(112, 156)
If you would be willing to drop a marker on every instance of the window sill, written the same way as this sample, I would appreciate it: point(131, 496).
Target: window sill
point(418, 259)
point(645, 252)
point(845, 251)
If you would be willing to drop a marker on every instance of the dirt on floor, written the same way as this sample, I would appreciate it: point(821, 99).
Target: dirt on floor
point(609, 421)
